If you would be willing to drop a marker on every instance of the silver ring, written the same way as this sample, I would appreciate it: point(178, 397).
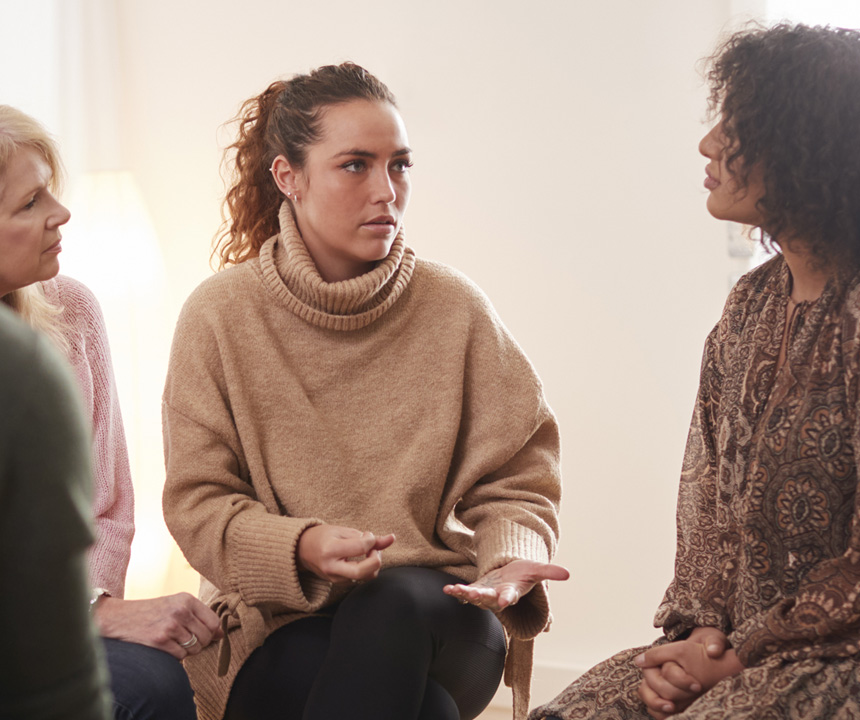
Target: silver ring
point(190, 642)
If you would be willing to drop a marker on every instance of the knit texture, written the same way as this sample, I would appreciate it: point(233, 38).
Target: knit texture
point(392, 402)
point(113, 506)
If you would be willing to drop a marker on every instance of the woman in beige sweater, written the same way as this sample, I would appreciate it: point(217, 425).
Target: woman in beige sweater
point(354, 442)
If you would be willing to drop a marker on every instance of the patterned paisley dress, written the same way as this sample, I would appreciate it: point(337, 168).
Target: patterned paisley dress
point(768, 522)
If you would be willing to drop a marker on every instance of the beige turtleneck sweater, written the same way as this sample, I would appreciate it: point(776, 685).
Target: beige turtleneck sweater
point(393, 402)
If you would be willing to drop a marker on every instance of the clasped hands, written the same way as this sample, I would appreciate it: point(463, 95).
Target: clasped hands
point(674, 675)
point(341, 554)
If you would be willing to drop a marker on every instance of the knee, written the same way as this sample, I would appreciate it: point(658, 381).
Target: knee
point(148, 683)
point(397, 595)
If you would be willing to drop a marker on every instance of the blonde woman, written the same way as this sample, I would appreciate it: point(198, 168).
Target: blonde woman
point(144, 639)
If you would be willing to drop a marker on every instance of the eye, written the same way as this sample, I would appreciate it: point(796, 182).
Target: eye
point(354, 166)
point(402, 166)
point(31, 204)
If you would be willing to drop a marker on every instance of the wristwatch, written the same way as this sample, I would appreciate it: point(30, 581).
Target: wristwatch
point(95, 595)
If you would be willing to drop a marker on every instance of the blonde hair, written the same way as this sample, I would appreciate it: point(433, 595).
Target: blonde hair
point(18, 130)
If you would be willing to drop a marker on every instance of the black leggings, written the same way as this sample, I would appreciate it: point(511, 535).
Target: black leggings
point(395, 648)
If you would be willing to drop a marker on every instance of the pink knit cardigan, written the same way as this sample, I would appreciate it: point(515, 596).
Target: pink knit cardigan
point(84, 328)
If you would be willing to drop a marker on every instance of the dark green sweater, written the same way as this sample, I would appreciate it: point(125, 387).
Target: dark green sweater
point(50, 663)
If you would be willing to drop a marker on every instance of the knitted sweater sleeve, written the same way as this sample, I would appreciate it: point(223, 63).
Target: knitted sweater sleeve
point(507, 463)
point(233, 536)
point(113, 505)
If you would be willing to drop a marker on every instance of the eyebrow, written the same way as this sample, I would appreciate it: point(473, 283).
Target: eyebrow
point(20, 197)
point(355, 152)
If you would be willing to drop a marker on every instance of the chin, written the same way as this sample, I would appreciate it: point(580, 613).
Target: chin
point(49, 272)
point(378, 253)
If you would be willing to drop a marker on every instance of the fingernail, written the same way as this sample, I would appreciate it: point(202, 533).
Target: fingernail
point(714, 648)
point(639, 659)
point(695, 687)
point(667, 708)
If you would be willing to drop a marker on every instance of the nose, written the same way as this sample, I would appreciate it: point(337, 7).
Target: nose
point(61, 215)
point(710, 145)
point(383, 188)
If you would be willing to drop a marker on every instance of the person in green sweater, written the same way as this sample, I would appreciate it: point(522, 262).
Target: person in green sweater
point(360, 459)
point(51, 666)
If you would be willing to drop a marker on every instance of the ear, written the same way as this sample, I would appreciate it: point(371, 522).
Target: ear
point(285, 177)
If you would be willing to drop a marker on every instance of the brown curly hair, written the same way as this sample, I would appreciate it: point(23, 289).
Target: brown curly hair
point(284, 120)
point(789, 97)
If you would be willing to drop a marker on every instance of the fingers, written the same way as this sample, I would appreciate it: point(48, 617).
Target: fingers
point(658, 707)
point(360, 545)
point(341, 554)
point(191, 626)
point(355, 571)
point(548, 571)
point(680, 678)
point(656, 656)
point(384, 541)
point(206, 617)
point(714, 640)
point(482, 597)
point(508, 595)
point(659, 682)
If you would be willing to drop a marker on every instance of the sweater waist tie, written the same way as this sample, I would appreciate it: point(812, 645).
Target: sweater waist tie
point(233, 612)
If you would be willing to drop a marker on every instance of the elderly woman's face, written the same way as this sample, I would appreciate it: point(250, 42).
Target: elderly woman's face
point(30, 220)
point(728, 198)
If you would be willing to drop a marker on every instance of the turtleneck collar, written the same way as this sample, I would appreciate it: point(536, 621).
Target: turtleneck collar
point(291, 274)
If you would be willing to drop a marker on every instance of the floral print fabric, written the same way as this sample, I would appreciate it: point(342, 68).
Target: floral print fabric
point(768, 533)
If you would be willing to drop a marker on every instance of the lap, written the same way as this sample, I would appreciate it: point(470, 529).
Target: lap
point(387, 632)
point(775, 690)
point(147, 684)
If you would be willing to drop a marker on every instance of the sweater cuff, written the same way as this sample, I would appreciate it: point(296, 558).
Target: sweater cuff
point(108, 562)
point(264, 566)
point(500, 541)
point(530, 616)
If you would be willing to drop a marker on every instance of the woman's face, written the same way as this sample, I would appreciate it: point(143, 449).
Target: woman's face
point(354, 187)
point(729, 199)
point(30, 220)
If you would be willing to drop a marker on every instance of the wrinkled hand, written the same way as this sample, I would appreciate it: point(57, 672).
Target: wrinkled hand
point(504, 586)
point(676, 674)
point(163, 623)
point(341, 554)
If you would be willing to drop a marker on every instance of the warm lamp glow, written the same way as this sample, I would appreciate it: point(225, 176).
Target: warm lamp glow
point(110, 243)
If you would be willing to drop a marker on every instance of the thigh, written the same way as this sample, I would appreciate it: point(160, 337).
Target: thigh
point(817, 688)
point(147, 684)
point(609, 691)
point(405, 614)
point(275, 681)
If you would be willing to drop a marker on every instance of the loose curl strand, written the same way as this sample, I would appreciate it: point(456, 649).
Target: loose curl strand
point(789, 99)
point(285, 119)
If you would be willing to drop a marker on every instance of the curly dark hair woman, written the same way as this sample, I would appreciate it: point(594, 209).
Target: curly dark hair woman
point(761, 619)
point(789, 97)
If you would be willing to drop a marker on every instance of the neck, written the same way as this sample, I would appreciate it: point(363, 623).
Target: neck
point(807, 279)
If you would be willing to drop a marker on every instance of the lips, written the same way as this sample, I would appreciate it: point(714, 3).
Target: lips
point(55, 247)
point(711, 183)
point(381, 220)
